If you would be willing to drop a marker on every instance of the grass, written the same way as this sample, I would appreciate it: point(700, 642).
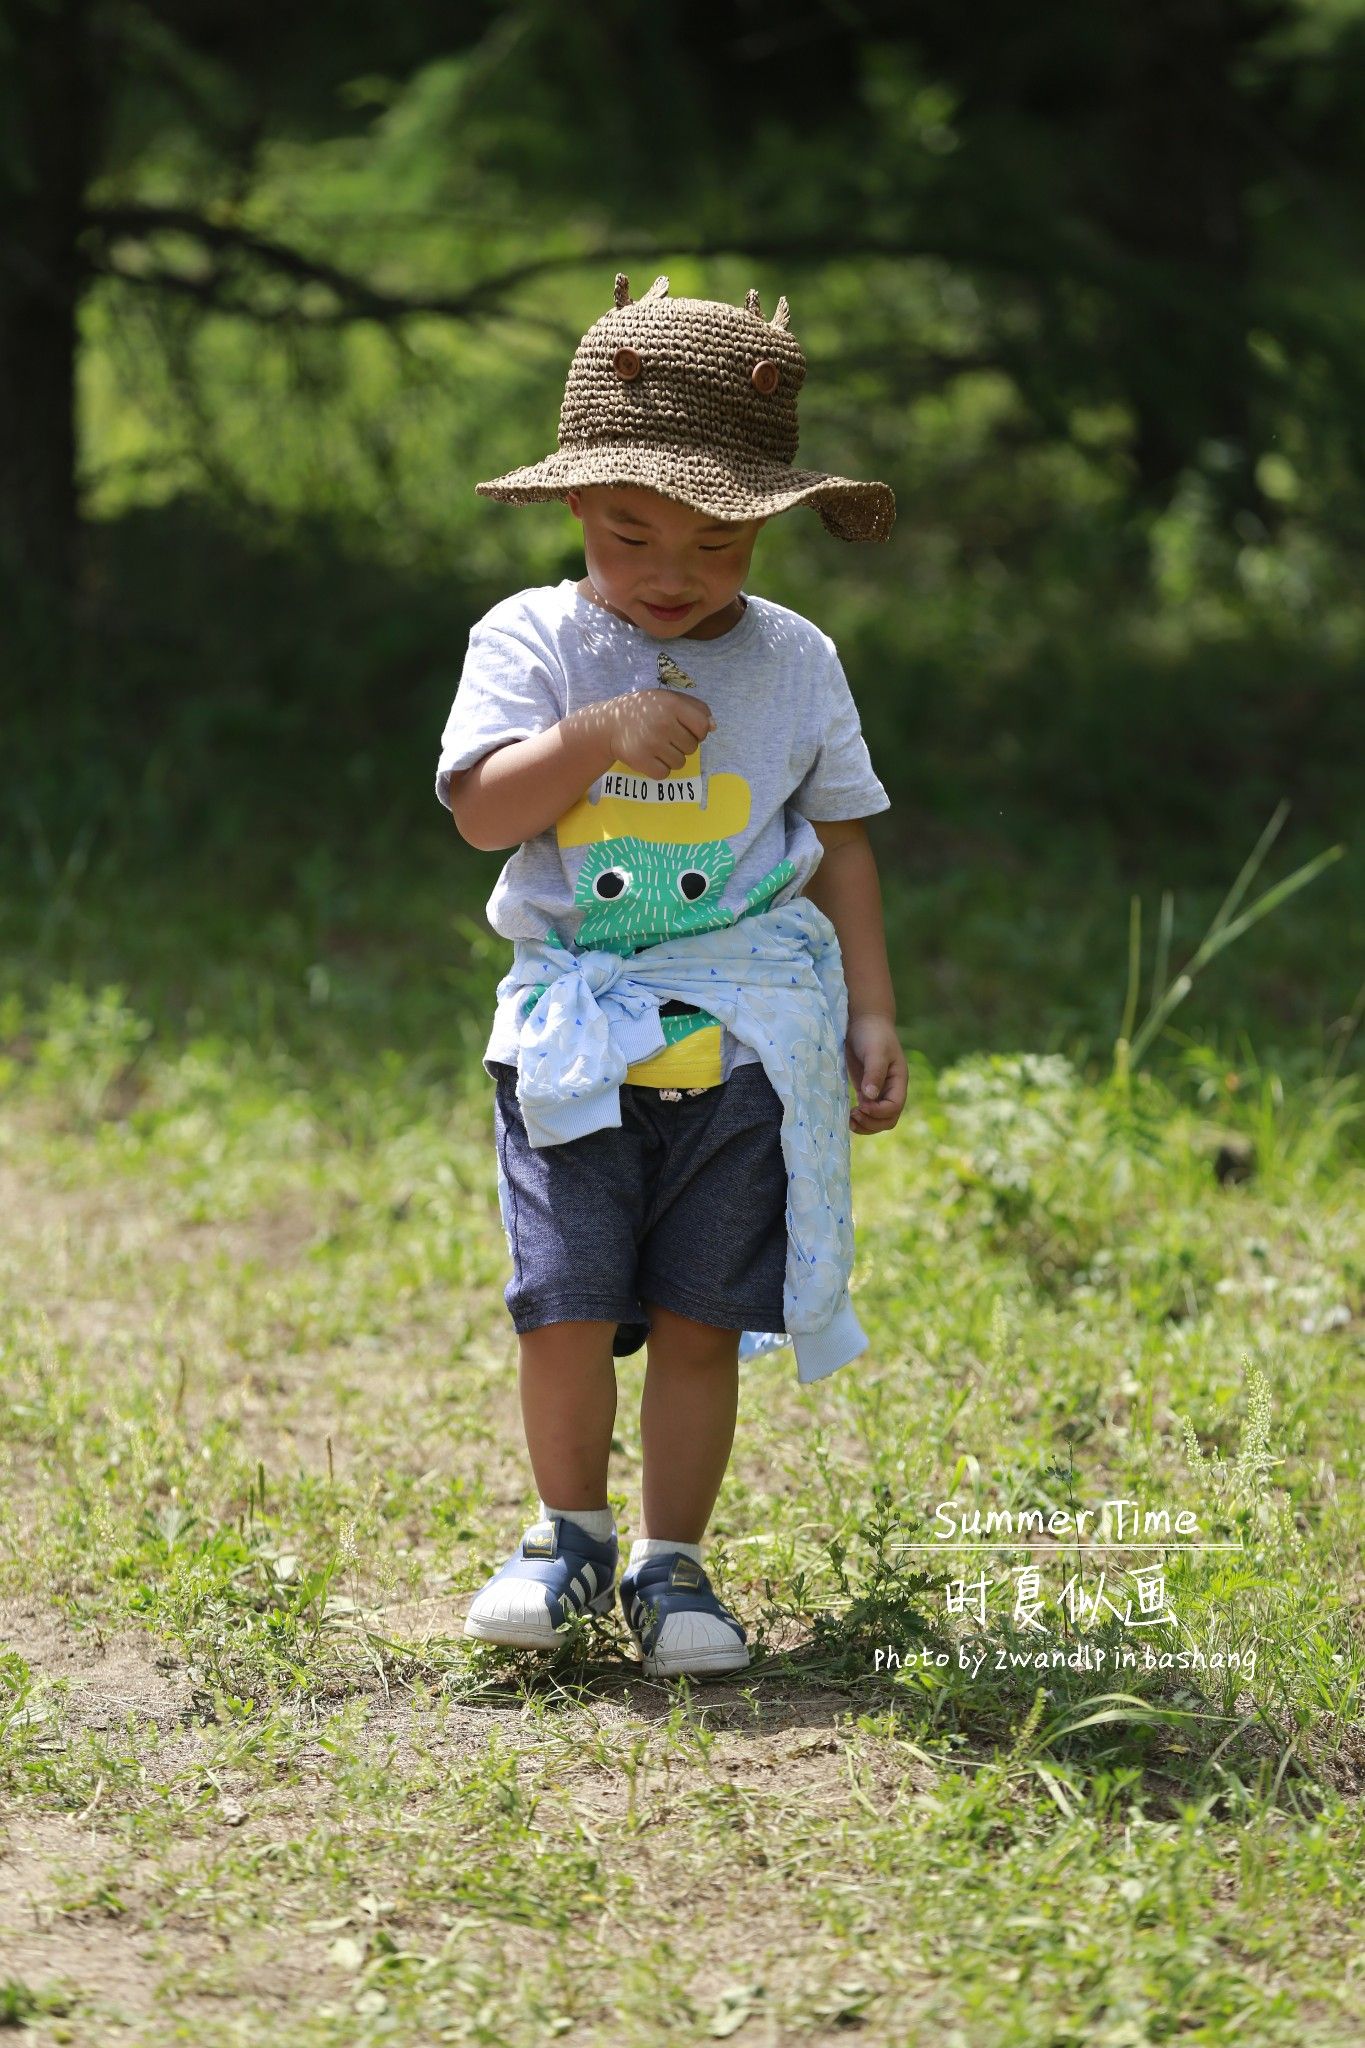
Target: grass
point(258, 1419)
point(258, 1443)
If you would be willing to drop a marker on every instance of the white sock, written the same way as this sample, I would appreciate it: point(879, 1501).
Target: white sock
point(598, 1522)
point(655, 1546)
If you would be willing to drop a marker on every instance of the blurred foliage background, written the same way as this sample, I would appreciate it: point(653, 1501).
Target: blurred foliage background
point(278, 286)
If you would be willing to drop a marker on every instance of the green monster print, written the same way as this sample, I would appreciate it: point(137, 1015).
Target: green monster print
point(635, 892)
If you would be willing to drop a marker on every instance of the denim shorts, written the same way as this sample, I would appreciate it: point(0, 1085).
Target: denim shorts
point(685, 1204)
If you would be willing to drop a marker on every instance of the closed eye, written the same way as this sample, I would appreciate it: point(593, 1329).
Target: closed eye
point(707, 547)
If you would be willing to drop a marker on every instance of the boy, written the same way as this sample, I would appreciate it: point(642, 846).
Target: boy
point(681, 769)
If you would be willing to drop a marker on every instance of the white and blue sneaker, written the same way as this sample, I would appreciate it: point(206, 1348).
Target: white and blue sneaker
point(677, 1621)
point(556, 1571)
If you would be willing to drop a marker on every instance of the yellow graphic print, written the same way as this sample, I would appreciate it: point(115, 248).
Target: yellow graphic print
point(658, 857)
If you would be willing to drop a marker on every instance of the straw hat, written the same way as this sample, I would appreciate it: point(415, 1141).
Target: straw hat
point(695, 399)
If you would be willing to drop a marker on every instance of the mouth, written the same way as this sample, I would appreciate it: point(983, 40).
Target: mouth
point(668, 611)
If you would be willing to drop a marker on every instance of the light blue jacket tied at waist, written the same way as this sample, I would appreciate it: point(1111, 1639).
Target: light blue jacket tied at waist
point(776, 980)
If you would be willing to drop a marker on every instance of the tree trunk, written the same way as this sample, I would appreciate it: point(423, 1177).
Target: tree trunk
point(46, 109)
point(1184, 164)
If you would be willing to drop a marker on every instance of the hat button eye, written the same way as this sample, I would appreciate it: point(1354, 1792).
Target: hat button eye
point(626, 363)
point(764, 377)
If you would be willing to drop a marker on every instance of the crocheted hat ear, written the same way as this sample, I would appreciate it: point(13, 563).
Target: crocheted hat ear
point(621, 290)
point(658, 290)
point(751, 304)
point(782, 317)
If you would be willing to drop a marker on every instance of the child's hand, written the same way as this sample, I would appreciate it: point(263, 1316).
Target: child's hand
point(878, 1071)
point(654, 731)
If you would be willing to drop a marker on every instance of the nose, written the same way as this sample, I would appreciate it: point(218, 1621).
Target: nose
point(671, 578)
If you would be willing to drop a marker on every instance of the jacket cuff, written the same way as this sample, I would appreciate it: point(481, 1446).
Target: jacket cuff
point(821, 1352)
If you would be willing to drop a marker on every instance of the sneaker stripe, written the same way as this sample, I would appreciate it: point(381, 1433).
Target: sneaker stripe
point(590, 1574)
point(576, 1588)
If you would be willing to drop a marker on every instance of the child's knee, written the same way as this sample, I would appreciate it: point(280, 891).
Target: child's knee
point(568, 1347)
point(683, 1340)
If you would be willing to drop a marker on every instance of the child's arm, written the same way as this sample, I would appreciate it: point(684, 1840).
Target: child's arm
point(520, 789)
point(847, 888)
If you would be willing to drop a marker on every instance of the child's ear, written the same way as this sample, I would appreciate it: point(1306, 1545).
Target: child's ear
point(574, 503)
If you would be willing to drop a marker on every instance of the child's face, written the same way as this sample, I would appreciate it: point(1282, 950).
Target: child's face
point(659, 564)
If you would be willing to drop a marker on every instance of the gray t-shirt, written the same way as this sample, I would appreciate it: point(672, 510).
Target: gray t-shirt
point(639, 859)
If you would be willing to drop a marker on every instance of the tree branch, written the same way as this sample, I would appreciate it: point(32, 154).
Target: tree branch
point(360, 300)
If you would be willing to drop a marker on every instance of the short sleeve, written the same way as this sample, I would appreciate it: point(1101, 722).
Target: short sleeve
point(840, 781)
point(508, 690)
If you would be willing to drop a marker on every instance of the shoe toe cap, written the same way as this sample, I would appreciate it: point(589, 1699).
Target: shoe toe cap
point(521, 1603)
point(693, 1634)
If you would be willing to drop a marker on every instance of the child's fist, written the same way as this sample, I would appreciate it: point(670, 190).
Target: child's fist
point(654, 731)
point(879, 1074)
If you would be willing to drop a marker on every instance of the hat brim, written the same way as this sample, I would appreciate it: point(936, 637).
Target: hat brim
point(753, 490)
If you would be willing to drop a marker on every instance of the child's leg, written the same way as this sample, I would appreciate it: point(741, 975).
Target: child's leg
point(566, 1562)
point(687, 1423)
point(568, 1408)
point(687, 1426)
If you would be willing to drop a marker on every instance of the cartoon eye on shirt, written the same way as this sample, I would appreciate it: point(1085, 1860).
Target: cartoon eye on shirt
point(692, 883)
